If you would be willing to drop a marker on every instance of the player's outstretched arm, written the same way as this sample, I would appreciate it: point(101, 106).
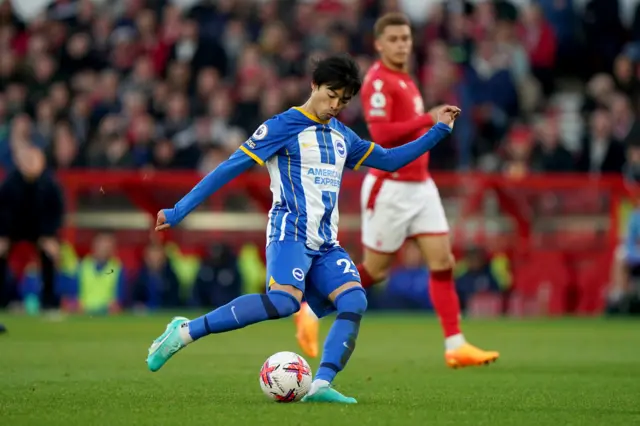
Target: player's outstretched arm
point(393, 159)
point(220, 176)
point(387, 133)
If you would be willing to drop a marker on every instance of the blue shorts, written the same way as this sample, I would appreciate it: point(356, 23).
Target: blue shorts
point(317, 274)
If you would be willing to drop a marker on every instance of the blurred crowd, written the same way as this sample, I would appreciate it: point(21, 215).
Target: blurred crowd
point(179, 84)
point(110, 278)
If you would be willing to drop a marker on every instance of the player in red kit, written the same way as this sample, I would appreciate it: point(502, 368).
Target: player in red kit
point(404, 204)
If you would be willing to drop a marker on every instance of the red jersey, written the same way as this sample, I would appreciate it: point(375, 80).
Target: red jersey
point(394, 112)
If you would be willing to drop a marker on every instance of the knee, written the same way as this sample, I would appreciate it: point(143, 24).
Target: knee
point(294, 292)
point(281, 304)
point(377, 272)
point(443, 262)
point(353, 300)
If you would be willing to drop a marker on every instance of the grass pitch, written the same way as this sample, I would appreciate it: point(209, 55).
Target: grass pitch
point(91, 371)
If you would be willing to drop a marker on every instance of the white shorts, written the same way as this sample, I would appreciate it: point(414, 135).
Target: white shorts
point(393, 211)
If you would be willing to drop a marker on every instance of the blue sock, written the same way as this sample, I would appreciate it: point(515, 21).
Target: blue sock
point(341, 340)
point(244, 311)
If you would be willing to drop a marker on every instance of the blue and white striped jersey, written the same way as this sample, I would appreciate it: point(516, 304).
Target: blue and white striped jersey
point(305, 158)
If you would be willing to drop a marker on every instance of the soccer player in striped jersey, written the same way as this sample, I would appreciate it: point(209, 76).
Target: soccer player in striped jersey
point(305, 150)
point(403, 204)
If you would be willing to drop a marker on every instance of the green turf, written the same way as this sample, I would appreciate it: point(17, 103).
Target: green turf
point(91, 371)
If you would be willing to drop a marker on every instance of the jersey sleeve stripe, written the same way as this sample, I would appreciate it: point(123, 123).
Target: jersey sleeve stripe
point(364, 157)
point(253, 156)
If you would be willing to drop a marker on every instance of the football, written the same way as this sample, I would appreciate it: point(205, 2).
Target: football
point(285, 377)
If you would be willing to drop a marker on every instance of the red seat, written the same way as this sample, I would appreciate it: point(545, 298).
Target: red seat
point(22, 253)
point(592, 278)
point(541, 284)
point(131, 258)
point(485, 305)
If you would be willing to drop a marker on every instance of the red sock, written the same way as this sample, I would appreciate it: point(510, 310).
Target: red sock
point(365, 278)
point(445, 301)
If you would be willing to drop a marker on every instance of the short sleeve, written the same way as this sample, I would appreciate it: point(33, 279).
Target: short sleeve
point(358, 149)
point(377, 101)
point(266, 141)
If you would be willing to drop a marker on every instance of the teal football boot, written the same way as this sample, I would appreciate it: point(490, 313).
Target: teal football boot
point(166, 345)
point(328, 394)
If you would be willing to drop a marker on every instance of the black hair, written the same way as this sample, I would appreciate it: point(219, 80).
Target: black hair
point(338, 72)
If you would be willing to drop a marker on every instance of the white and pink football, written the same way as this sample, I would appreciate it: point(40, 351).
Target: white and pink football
point(285, 377)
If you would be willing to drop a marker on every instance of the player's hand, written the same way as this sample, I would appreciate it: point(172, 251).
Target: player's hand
point(161, 222)
point(433, 112)
point(448, 114)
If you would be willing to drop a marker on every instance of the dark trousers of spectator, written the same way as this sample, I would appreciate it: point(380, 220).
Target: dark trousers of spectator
point(546, 78)
point(48, 296)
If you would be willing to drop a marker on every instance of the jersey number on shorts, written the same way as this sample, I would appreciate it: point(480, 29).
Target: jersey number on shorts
point(347, 264)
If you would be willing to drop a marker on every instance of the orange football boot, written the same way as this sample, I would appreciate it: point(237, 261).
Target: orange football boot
point(468, 355)
point(307, 326)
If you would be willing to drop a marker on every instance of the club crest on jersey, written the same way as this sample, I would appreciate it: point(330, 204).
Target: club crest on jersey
point(260, 132)
point(341, 148)
point(298, 274)
point(378, 100)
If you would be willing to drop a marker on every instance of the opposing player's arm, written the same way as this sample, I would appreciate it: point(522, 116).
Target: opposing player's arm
point(377, 101)
point(391, 159)
point(257, 149)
